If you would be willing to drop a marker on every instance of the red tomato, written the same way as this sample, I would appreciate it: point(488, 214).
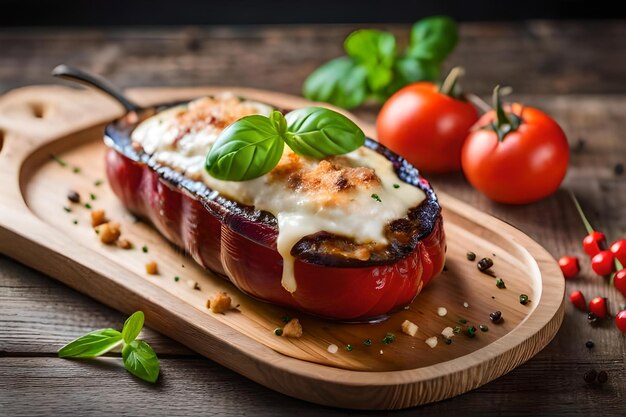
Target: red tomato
point(619, 250)
point(426, 127)
point(598, 307)
point(594, 243)
point(569, 266)
point(619, 281)
point(603, 263)
point(620, 321)
point(527, 165)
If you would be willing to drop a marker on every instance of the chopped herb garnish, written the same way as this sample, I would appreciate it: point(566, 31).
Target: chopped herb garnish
point(144, 248)
point(377, 198)
point(76, 170)
point(278, 331)
point(462, 321)
point(523, 299)
point(285, 319)
point(349, 348)
point(88, 206)
point(98, 183)
point(367, 342)
point(389, 338)
point(500, 283)
point(67, 209)
point(75, 221)
point(176, 278)
point(396, 186)
point(471, 331)
point(457, 329)
point(92, 196)
point(471, 256)
point(58, 160)
point(483, 328)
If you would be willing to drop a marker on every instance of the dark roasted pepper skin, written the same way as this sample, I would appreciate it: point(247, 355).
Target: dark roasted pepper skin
point(240, 242)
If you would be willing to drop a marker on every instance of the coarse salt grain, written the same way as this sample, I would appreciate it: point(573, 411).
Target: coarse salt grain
point(442, 311)
point(431, 341)
point(333, 348)
point(448, 332)
point(466, 304)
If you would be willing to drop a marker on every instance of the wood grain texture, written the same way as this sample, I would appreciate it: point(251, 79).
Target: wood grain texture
point(115, 276)
point(588, 62)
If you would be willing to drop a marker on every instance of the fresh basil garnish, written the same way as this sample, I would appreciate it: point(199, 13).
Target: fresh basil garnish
point(139, 358)
point(92, 344)
point(248, 148)
point(318, 132)
point(373, 68)
point(253, 145)
point(141, 361)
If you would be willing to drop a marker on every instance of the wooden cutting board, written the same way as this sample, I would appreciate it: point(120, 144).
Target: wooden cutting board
point(43, 121)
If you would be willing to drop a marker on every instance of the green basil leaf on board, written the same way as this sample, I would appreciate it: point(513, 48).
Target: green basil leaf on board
point(319, 132)
point(92, 344)
point(141, 361)
point(374, 69)
point(247, 149)
point(341, 81)
point(133, 326)
point(433, 38)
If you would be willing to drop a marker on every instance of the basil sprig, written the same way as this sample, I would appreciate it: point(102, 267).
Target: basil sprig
point(253, 145)
point(139, 358)
point(374, 68)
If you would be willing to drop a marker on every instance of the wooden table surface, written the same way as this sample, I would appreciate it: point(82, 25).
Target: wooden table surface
point(576, 71)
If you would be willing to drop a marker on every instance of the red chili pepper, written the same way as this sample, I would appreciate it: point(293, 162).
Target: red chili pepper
point(594, 242)
point(569, 266)
point(598, 307)
point(619, 281)
point(618, 249)
point(578, 299)
point(603, 263)
point(620, 321)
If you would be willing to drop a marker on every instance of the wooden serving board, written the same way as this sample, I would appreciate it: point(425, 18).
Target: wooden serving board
point(37, 122)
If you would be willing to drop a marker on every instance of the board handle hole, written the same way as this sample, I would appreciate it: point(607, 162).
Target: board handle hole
point(38, 109)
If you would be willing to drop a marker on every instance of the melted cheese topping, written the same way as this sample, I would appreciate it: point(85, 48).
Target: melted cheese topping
point(354, 195)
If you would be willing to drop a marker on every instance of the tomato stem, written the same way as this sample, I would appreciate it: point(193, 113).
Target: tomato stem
point(449, 83)
point(582, 214)
point(504, 123)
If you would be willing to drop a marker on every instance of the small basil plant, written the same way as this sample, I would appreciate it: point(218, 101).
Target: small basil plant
point(253, 145)
point(139, 358)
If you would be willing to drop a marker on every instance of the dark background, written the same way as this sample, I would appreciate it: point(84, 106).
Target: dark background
point(208, 12)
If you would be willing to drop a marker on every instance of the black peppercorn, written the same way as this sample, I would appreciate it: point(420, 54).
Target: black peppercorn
point(602, 377)
point(471, 256)
point(590, 376)
point(523, 299)
point(592, 317)
point(73, 196)
point(484, 264)
point(589, 344)
point(495, 316)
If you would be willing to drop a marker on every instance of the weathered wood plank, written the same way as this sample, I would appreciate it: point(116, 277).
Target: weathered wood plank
point(52, 386)
point(533, 57)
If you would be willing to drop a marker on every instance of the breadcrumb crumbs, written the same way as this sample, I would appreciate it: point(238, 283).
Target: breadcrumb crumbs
point(293, 329)
point(219, 303)
point(98, 217)
point(409, 328)
point(431, 341)
point(152, 268)
point(108, 232)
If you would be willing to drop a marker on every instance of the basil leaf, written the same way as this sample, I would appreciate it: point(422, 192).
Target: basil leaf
point(247, 149)
point(92, 344)
point(133, 326)
point(341, 81)
point(318, 132)
point(141, 361)
point(433, 38)
point(376, 51)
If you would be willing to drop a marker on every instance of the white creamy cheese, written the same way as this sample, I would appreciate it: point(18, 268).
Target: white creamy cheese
point(356, 213)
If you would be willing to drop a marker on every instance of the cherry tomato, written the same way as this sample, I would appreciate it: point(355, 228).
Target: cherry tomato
point(598, 307)
point(594, 243)
point(603, 263)
point(569, 266)
point(578, 299)
point(426, 126)
point(516, 156)
point(619, 281)
point(619, 251)
point(620, 321)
